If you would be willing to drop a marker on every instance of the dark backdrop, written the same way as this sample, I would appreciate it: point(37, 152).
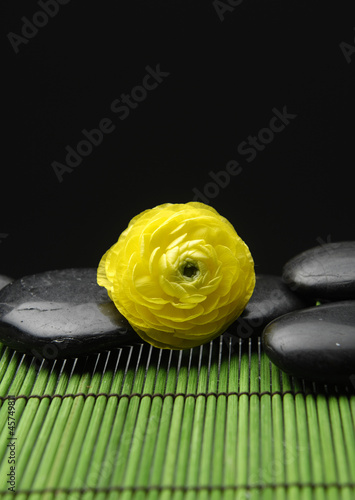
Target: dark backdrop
point(227, 68)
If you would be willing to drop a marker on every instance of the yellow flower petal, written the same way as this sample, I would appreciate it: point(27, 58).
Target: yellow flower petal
point(179, 273)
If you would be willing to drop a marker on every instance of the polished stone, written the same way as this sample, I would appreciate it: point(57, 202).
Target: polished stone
point(316, 343)
point(61, 313)
point(324, 272)
point(271, 298)
point(4, 280)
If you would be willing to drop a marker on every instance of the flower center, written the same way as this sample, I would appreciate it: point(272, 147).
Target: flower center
point(189, 270)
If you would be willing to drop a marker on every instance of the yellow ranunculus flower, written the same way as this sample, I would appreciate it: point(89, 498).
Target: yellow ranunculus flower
point(179, 273)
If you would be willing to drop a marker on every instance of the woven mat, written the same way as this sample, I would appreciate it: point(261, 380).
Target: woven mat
point(219, 421)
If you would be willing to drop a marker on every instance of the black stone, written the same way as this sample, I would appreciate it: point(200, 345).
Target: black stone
point(316, 343)
point(325, 272)
point(271, 298)
point(4, 280)
point(58, 314)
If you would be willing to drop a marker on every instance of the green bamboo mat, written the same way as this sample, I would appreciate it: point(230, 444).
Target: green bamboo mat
point(218, 421)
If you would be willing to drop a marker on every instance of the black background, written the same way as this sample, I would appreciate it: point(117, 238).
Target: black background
point(225, 78)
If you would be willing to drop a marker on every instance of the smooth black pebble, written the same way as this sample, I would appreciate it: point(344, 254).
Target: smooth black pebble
point(316, 343)
point(271, 298)
point(4, 280)
point(58, 314)
point(324, 272)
